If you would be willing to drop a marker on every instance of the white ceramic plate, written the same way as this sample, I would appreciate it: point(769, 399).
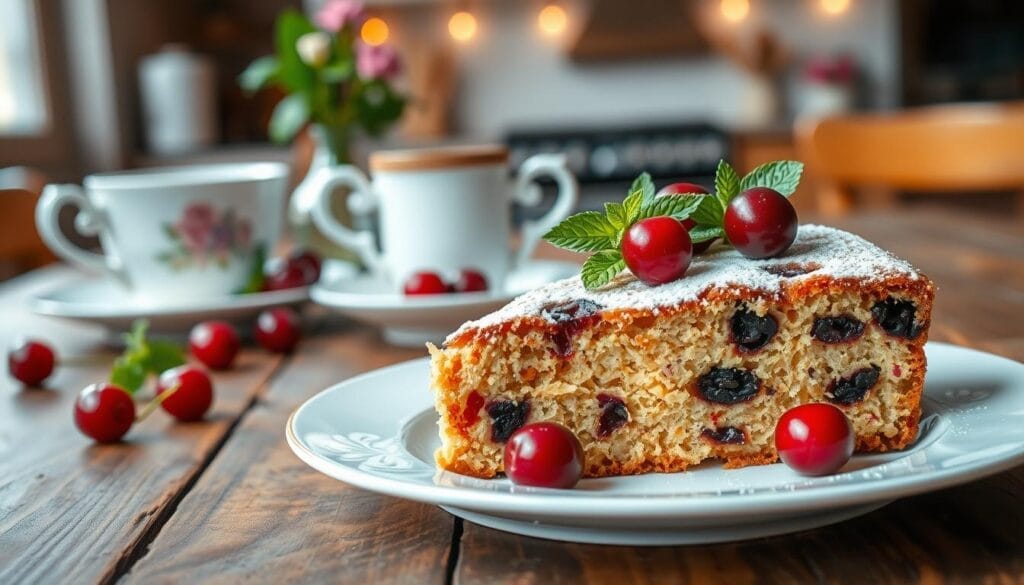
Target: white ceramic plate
point(412, 321)
point(378, 432)
point(103, 302)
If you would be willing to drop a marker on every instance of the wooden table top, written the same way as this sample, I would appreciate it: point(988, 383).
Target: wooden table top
point(225, 499)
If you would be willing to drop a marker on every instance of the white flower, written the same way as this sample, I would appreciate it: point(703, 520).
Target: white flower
point(314, 48)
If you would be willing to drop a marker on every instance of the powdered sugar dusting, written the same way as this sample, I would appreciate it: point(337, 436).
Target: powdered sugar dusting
point(830, 251)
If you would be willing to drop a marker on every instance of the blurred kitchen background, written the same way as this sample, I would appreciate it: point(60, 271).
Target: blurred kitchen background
point(620, 86)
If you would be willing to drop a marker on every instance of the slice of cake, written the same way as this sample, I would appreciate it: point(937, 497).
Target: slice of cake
point(662, 378)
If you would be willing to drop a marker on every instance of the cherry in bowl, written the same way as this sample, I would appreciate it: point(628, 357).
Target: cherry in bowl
point(192, 392)
point(814, 439)
point(30, 362)
point(544, 454)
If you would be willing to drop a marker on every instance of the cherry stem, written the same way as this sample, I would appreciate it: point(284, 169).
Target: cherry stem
point(155, 403)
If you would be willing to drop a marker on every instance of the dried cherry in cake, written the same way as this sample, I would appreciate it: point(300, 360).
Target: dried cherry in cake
point(751, 332)
point(728, 385)
point(506, 418)
point(837, 329)
point(852, 389)
point(614, 415)
point(897, 317)
point(725, 435)
point(569, 319)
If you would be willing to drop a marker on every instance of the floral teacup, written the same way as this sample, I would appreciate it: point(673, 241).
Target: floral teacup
point(172, 233)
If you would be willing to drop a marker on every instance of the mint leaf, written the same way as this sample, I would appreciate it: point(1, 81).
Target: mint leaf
point(616, 213)
point(600, 268)
point(128, 374)
point(633, 203)
point(584, 232)
point(162, 356)
point(135, 339)
point(644, 185)
point(677, 206)
point(781, 175)
point(703, 233)
point(727, 183)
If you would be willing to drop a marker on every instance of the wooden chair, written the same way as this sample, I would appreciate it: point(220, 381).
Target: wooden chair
point(941, 149)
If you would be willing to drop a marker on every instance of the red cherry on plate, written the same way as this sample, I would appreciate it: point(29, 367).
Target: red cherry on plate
point(470, 281)
point(814, 439)
point(689, 224)
point(215, 343)
point(277, 330)
point(424, 283)
point(30, 361)
point(310, 260)
point(544, 454)
point(289, 274)
point(193, 396)
point(657, 249)
point(104, 412)
point(760, 223)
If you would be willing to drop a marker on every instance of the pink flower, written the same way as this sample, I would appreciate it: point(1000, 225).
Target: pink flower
point(196, 225)
point(377, 62)
point(335, 14)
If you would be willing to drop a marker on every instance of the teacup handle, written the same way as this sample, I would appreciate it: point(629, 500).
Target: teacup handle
point(361, 201)
point(539, 165)
point(88, 222)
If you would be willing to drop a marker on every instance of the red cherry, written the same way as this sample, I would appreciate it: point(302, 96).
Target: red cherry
point(689, 224)
point(215, 343)
point(277, 330)
point(657, 250)
point(194, 394)
point(544, 454)
point(760, 223)
point(470, 281)
point(814, 439)
point(424, 283)
point(310, 260)
point(289, 274)
point(30, 362)
point(104, 412)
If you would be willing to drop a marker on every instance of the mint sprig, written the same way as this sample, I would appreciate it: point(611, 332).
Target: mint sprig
point(601, 233)
point(142, 357)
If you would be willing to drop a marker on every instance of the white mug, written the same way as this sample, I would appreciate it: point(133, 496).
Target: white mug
point(175, 232)
point(443, 210)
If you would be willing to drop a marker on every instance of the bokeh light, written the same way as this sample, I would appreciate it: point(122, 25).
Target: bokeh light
point(735, 10)
point(462, 26)
point(834, 7)
point(375, 31)
point(552, 20)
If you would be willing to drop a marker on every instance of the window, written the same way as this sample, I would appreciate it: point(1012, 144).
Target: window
point(22, 97)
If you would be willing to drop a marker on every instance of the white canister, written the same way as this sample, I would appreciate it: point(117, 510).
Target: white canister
point(179, 100)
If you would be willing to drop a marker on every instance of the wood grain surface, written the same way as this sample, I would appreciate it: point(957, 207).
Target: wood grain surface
point(226, 501)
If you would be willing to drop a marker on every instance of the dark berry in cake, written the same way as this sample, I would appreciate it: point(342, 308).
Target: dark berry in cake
point(689, 224)
point(751, 332)
point(657, 250)
point(614, 415)
point(837, 329)
point(760, 223)
point(851, 389)
point(506, 418)
point(544, 454)
point(728, 385)
point(570, 318)
point(897, 317)
point(725, 435)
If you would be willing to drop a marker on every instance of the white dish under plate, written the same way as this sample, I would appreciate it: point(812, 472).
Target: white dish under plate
point(378, 431)
point(412, 321)
point(103, 302)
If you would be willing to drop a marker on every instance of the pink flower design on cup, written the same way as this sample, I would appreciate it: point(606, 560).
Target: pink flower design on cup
point(202, 236)
point(377, 62)
point(334, 15)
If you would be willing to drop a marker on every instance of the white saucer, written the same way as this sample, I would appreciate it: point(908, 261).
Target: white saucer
point(102, 302)
point(412, 321)
point(378, 432)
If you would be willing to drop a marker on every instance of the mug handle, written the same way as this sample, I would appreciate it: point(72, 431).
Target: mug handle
point(539, 165)
point(88, 222)
point(362, 200)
